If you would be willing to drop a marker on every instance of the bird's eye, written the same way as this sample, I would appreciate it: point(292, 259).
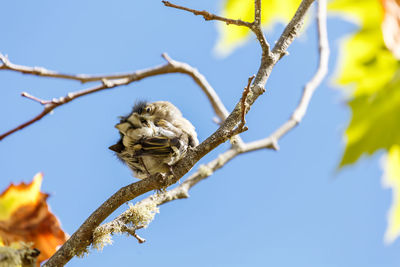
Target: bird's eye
point(148, 110)
point(143, 121)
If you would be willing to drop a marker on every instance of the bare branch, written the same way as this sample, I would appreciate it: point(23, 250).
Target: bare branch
point(257, 12)
point(50, 105)
point(132, 232)
point(33, 98)
point(209, 16)
point(40, 71)
point(253, 26)
point(204, 171)
point(25, 124)
point(83, 236)
point(292, 30)
point(244, 108)
point(309, 88)
point(172, 66)
point(244, 97)
point(257, 29)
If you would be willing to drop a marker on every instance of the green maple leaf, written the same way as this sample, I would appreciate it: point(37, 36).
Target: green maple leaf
point(372, 70)
point(375, 122)
point(374, 74)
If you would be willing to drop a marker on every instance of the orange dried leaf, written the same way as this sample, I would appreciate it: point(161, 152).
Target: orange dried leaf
point(25, 217)
point(16, 196)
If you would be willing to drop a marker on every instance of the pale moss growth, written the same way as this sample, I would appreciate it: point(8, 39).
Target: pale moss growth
point(18, 254)
point(221, 160)
point(100, 240)
point(205, 171)
point(80, 253)
point(9, 257)
point(141, 215)
point(138, 215)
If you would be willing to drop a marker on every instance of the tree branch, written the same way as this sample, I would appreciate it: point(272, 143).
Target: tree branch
point(40, 71)
point(204, 171)
point(257, 29)
point(209, 16)
point(253, 26)
point(309, 88)
point(111, 81)
point(82, 238)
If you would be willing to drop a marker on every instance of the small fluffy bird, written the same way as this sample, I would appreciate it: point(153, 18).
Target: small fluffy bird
point(154, 136)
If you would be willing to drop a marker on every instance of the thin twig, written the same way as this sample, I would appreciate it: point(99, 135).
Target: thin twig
point(244, 108)
point(209, 16)
point(50, 105)
point(322, 70)
point(257, 29)
point(34, 98)
point(111, 81)
point(244, 97)
point(25, 124)
point(254, 26)
point(40, 71)
point(132, 232)
point(257, 12)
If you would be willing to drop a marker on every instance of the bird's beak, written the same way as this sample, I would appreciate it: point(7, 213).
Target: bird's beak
point(118, 147)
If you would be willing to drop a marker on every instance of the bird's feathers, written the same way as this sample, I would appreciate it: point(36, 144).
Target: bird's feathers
point(154, 136)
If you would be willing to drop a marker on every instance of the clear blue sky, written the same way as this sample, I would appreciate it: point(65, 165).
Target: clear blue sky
point(286, 208)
